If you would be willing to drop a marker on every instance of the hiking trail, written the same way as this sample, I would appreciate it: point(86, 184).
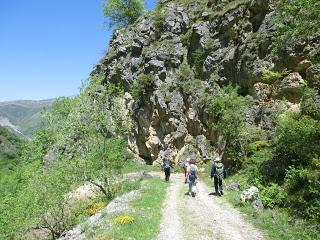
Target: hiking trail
point(204, 217)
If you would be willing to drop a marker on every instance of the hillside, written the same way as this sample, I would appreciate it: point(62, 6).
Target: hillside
point(23, 116)
point(10, 149)
point(235, 80)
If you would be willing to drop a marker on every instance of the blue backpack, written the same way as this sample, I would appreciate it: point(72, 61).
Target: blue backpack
point(192, 173)
point(166, 164)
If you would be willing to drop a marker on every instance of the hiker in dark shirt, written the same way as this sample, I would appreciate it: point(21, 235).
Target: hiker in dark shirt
point(218, 172)
point(166, 165)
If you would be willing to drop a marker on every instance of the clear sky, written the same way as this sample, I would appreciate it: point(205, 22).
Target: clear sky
point(47, 47)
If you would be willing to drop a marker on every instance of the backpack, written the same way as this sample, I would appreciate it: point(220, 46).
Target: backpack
point(192, 173)
point(166, 164)
point(219, 169)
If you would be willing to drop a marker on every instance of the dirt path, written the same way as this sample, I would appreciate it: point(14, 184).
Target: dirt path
point(204, 217)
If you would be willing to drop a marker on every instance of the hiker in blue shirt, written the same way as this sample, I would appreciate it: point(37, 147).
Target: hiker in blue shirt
point(166, 165)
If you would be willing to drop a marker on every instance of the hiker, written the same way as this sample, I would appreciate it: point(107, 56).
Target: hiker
point(166, 165)
point(218, 172)
point(192, 176)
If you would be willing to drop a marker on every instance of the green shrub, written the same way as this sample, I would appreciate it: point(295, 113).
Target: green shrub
point(302, 185)
point(124, 219)
point(273, 195)
point(159, 16)
point(253, 166)
point(270, 77)
point(185, 73)
point(198, 58)
point(123, 12)
point(296, 18)
point(186, 38)
point(143, 85)
point(297, 139)
point(257, 145)
point(310, 103)
point(228, 112)
point(95, 207)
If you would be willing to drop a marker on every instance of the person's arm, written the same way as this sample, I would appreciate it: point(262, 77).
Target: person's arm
point(213, 170)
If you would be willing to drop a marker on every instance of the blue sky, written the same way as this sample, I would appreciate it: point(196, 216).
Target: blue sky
point(47, 47)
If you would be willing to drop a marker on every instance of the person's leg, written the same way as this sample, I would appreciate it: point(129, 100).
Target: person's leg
point(220, 186)
point(166, 174)
point(215, 184)
point(190, 187)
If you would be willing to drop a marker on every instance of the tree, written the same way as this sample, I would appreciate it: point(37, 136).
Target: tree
point(123, 12)
point(228, 110)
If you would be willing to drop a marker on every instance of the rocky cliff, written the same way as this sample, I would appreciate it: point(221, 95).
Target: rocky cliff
point(185, 48)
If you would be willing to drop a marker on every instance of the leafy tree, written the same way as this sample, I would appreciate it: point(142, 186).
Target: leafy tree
point(228, 111)
point(123, 12)
point(297, 139)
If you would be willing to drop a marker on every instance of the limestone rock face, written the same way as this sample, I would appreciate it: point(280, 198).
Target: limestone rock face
point(313, 75)
point(221, 43)
point(291, 87)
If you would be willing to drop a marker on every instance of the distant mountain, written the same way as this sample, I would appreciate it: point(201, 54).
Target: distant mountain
point(23, 116)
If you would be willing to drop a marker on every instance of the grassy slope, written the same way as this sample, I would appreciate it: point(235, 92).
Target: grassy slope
point(147, 214)
point(277, 223)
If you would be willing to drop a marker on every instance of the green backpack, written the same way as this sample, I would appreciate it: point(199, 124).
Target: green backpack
point(219, 169)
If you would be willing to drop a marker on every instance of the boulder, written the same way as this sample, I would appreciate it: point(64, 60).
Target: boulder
point(257, 204)
point(234, 186)
point(290, 87)
point(249, 195)
point(262, 92)
point(313, 75)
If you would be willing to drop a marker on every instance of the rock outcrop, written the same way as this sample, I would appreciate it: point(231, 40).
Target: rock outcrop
point(222, 42)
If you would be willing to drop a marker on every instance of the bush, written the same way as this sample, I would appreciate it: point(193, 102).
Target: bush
point(159, 17)
point(123, 219)
point(302, 185)
point(310, 103)
point(186, 38)
point(123, 12)
point(257, 145)
point(273, 195)
point(296, 18)
point(94, 208)
point(253, 166)
point(198, 58)
point(228, 111)
point(270, 77)
point(297, 139)
point(144, 84)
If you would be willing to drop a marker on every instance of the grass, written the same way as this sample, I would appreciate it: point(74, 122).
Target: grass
point(276, 223)
point(136, 167)
point(147, 214)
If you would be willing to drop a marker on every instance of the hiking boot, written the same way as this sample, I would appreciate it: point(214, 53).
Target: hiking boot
point(221, 192)
point(193, 194)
